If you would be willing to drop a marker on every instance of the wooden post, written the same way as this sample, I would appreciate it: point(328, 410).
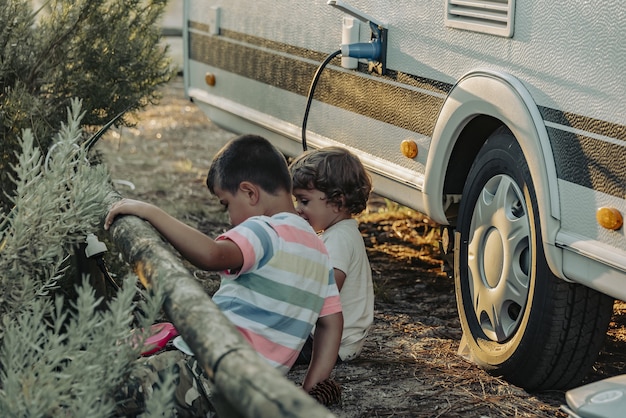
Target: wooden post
point(248, 384)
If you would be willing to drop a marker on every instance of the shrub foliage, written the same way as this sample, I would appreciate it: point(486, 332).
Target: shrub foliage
point(56, 361)
point(60, 356)
point(105, 52)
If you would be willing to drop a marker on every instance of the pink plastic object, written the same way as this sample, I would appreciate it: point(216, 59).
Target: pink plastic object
point(160, 334)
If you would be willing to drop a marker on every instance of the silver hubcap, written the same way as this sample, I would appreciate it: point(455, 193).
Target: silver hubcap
point(499, 257)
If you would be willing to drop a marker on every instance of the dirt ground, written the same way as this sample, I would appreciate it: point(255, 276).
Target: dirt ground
point(409, 366)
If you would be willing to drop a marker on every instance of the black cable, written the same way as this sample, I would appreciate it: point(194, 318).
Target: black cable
point(105, 272)
point(95, 137)
point(312, 92)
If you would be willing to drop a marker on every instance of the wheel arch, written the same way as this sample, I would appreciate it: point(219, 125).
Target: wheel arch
point(479, 103)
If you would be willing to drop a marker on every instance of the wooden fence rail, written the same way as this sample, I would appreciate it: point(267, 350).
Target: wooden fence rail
point(244, 385)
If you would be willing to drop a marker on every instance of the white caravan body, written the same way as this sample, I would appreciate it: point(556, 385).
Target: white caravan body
point(551, 74)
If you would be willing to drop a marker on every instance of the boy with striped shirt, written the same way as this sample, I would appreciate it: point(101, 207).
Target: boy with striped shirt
point(277, 280)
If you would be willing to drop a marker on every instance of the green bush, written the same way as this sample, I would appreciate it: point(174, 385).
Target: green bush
point(106, 52)
point(60, 357)
point(63, 356)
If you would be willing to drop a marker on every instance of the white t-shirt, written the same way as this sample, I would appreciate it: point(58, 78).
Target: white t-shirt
point(347, 253)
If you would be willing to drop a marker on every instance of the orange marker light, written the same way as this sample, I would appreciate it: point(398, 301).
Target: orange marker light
point(408, 148)
point(209, 78)
point(609, 218)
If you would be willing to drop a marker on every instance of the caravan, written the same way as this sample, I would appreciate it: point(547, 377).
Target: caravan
point(502, 120)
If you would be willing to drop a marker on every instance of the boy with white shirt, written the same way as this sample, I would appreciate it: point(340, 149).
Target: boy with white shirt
point(330, 186)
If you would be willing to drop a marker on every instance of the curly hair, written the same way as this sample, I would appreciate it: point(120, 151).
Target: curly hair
point(336, 172)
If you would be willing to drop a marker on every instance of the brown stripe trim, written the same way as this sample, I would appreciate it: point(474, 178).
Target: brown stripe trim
point(579, 159)
point(589, 162)
point(405, 108)
point(584, 123)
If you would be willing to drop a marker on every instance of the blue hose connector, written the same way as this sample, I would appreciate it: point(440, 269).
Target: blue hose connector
point(368, 50)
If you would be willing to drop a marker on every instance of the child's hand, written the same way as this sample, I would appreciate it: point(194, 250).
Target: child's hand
point(125, 207)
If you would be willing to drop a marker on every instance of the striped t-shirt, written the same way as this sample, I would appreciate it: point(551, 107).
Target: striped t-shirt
point(286, 283)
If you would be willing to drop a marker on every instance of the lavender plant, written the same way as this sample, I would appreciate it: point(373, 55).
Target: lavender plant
point(59, 357)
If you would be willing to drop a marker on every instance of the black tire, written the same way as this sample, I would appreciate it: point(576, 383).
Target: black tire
point(519, 321)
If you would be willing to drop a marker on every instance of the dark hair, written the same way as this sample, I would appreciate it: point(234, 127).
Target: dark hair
point(336, 172)
point(249, 158)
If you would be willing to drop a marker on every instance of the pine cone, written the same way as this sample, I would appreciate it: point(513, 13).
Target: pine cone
point(326, 392)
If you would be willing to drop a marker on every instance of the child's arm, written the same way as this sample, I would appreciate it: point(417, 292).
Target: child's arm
point(340, 277)
point(193, 245)
point(326, 342)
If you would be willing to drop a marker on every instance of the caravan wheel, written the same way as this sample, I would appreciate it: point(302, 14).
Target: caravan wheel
point(519, 321)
